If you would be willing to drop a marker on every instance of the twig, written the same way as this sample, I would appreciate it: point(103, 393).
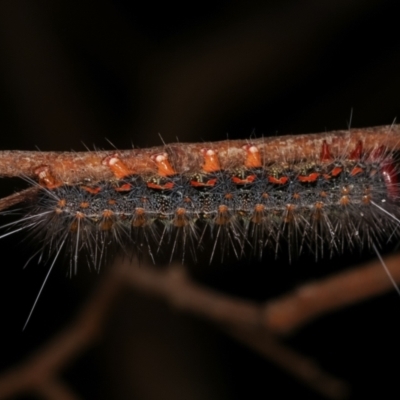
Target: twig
point(37, 373)
point(302, 368)
point(293, 310)
point(249, 322)
point(16, 198)
point(281, 315)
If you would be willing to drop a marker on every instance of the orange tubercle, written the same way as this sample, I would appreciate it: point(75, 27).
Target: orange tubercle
point(308, 178)
point(280, 181)
point(211, 162)
point(357, 152)
point(325, 153)
point(165, 186)
point(245, 181)
point(163, 165)
point(117, 166)
point(253, 156)
point(46, 178)
point(356, 171)
point(126, 187)
point(91, 190)
point(210, 182)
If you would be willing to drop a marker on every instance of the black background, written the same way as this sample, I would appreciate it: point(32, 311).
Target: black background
point(79, 73)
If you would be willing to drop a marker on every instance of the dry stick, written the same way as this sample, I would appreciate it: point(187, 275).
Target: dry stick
point(18, 197)
point(293, 310)
point(281, 315)
point(242, 319)
point(245, 320)
point(75, 167)
point(303, 369)
point(53, 389)
point(38, 373)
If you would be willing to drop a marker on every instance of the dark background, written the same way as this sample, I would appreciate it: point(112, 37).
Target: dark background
point(79, 73)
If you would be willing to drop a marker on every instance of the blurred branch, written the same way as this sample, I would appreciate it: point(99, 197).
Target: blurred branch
point(38, 373)
point(251, 323)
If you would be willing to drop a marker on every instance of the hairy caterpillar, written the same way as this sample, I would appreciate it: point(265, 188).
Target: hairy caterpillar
point(323, 194)
point(320, 193)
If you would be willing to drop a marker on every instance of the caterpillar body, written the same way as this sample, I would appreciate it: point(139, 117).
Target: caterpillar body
point(322, 201)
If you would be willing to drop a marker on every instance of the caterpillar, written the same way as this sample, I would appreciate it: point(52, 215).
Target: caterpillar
point(318, 193)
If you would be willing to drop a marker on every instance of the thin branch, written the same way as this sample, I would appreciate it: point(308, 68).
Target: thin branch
point(290, 312)
point(52, 389)
point(37, 372)
point(281, 315)
point(302, 368)
point(16, 198)
point(252, 323)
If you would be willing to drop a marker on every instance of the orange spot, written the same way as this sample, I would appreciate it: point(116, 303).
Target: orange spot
point(356, 171)
point(248, 179)
point(336, 171)
point(80, 215)
point(280, 181)
point(163, 164)
point(228, 196)
point(112, 202)
point(180, 219)
point(323, 194)
point(210, 182)
point(345, 190)
point(296, 196)
point(366, 199)
point(308, 178)
point(107, 222)
point(289, 215)
point(344, 200)
point(223, 216)
point(258, 214)
point(62, 203)
point(84, 204)
point(259, 208)
point(265, 195)
point(211, 162)
point(180, 211)
point(166, 186)
point(357, 152)
point(325, 153)
point(46, 178)
point(91, 190)
point(253, 156)
point(126, 187)
point(107, 213)
point(318, 210)
point(117, 166)
point(319, 205)
point(140, 218)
